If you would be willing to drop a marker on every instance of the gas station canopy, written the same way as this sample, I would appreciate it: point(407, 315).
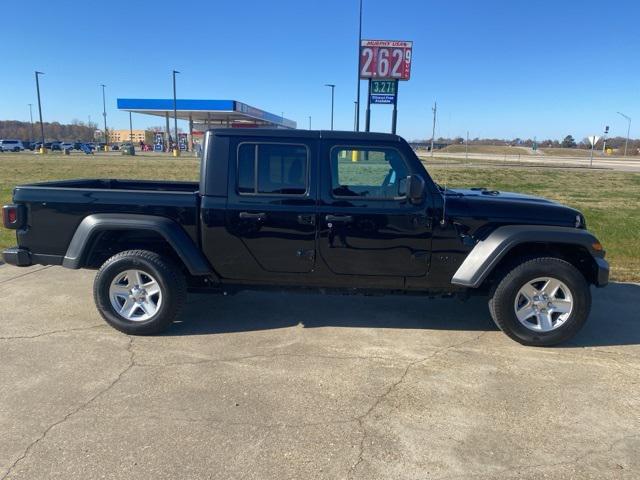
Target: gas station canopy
point(207, 113)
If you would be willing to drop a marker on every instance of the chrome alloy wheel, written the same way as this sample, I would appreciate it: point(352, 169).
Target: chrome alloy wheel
point(543, 304)
point(135, 295)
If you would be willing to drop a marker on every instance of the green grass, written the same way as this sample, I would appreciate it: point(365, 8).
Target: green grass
point(489, 149)
point(610, 200)
point(569, 152)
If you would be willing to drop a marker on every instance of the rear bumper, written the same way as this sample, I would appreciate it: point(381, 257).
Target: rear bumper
point(18, 257)
point(21, 257)
point(602, 275)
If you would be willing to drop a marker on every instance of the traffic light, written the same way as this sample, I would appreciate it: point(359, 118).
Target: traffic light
point(606, 129)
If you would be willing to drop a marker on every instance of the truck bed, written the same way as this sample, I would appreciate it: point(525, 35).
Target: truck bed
point(57, 208)
point(117, 184)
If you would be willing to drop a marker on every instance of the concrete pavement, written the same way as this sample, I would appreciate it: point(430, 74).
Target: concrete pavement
point(261, 386)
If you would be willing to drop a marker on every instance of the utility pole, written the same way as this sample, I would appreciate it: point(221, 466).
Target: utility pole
point(31, 121)
point(433, 130)
point(309, 122)
point(466, 149)
point(357, 122)
point(104, 114)
point(176, 151)
point(333, 88)
point(42, 147)
point(604, 143)
point(626, 142)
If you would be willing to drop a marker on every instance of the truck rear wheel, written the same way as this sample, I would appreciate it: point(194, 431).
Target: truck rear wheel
point(139, 292)
point(541, 302)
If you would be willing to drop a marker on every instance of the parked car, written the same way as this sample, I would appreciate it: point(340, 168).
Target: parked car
point(55, 145)
point(66, 146)
point(326, 211)
point(115, 147)
point(28, 145)
point(11, 146)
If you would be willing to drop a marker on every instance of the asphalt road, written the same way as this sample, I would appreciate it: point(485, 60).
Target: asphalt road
point(631, 164)
point(279, 386)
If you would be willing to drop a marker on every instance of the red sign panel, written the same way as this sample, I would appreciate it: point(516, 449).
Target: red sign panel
point(385, 59)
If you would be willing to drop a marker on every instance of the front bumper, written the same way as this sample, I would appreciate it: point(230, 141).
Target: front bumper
point(602, 274)
point(17, 256)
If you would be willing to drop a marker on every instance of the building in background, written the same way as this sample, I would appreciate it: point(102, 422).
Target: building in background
point(118, 136)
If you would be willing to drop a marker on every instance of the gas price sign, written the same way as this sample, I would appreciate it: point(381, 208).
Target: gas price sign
point(385, 59)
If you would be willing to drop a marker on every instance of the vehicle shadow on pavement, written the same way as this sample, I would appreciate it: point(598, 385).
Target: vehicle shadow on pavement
point(249, 311)
point(614, 320)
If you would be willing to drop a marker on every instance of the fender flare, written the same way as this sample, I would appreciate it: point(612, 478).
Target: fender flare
point(488, 252)
point(168, 229)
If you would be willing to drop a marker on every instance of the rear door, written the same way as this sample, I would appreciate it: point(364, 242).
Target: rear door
point(271, 206)
point(367, 225)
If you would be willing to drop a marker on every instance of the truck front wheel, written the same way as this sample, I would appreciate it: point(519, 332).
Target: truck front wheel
point(541, 302)
point(139, 292)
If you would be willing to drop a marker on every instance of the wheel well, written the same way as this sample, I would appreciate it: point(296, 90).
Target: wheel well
point(105, 244)
point(576, 255)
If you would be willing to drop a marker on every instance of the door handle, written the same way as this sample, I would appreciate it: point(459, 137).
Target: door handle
point(307, 219)
point(339, 218)
point(253, 216)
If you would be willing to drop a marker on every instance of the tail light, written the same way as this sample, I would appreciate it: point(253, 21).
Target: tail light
point(13, 216)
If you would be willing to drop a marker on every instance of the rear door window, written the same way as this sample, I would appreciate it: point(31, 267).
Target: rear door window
point(272, 169)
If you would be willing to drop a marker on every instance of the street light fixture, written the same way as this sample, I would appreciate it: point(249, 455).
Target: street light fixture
point(333, 87)
point(626, 142)
point(104, 115)
point(176, 150)
point(42, 147)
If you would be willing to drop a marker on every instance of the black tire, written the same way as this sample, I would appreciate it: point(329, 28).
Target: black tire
point(503, 312)
point(169, 277)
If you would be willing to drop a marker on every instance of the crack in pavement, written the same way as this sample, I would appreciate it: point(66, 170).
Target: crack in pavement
point(521, 468)
point(82, 406)
point(2, 282)
point(265, 355)
point(393, 386)
point(52, 332)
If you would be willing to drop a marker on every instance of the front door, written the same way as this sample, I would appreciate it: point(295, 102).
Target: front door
point(271, 207)
point(367, 225)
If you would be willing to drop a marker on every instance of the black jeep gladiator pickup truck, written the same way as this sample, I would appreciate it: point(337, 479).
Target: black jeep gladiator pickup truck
point(313, 210)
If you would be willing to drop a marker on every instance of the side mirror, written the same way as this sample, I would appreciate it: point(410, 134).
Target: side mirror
point(416, 188)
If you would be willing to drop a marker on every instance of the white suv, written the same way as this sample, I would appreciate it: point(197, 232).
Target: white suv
point(11, 146)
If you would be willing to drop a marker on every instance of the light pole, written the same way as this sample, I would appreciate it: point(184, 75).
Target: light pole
point(309, 122)
point(333, 87)
point(357, 122)
point(31, 120)
point(176, 151)
point(104, 115)
point(42, 147)
point(626, 142)
point(433, 130)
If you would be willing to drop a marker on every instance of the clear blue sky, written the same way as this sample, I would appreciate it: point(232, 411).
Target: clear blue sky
point(504, 69)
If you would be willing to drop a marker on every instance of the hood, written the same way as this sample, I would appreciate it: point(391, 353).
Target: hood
point(508, 207)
